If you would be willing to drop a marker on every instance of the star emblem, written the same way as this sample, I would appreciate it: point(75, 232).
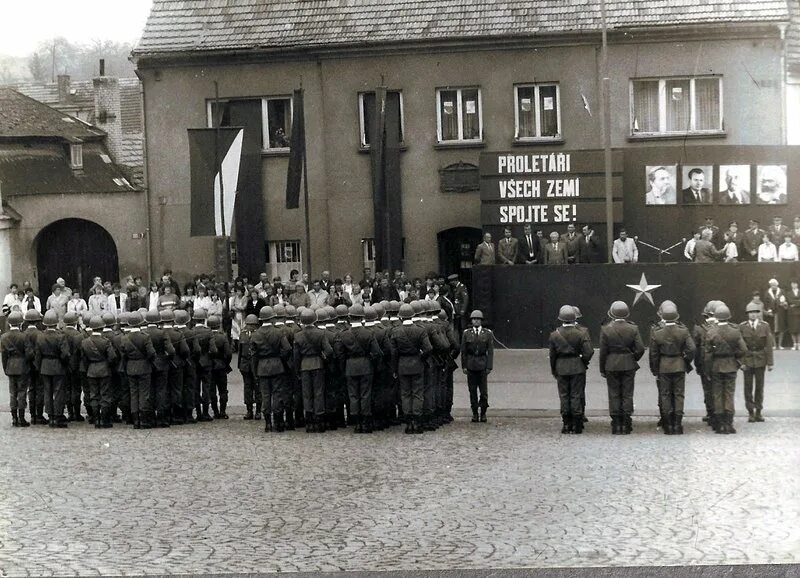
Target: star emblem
point(643, 290)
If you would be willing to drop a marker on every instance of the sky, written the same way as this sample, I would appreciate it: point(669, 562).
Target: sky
point(26, 23)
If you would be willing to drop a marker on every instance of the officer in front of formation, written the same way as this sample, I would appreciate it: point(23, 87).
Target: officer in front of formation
point(100, 355)
point(671, 351)
point(759, 357)
point(723, 352)
point(570, 353)
point(252, 393)
point(17, 353)
point(621, 347)
point(477, 357)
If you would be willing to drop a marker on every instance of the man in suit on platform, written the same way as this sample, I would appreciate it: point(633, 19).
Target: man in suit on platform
point(591, 246)
point(529, 247)
point(555, 253)
point(572, 240)
point(695, 193)
point(507, 248)
point(485, 253)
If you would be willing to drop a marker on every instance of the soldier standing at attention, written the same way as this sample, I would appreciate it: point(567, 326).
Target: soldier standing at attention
point(203, 384)
point(460, 303)
point(137, 348)
point(270, 351)
point(52, 356)
point(570, 353)
point(296, 394)
point(477, 356)
point(671, 352)
point(35, 387)
point(175, 373)
point(723, 351)
point(381, 378)
point(311, 350)
point(99, 354)
point(337, 398)
point(578, 317)
point(760, 346)
point(189, 399)
point(165, 352)
point(450, 367)
point(410, 345)
point(698, 336)
point(621, 347)
point(17, 352)
point(119, 381)
point(73, 377)
point(252, 394)
point(221, 355)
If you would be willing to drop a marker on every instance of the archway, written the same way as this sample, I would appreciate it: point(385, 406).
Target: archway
point(77, 250)
point(457, 250)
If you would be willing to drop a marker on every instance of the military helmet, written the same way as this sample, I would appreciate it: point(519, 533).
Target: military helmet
point(394, 307)
point(356, 310)
point(251, 320)
point(442, 315)
point(314, 306)
point(321, 313)
point(200, 314)
point(70, 318)
point(307, 317)
point(181, 317)
point(331, 311)
point(578, 313)
point(436, 306)
point(370, 314)
point(384, 303)
point(754, 307)
point(214, 322)
point(280, 311)
point(668, 311)
point(406, 311)
point(477, 314)
point(291, 311)
point(342, 311)
point(33, 315)
point(15, 318)
point(96, 322)
point(380, 309)
point(618, 310)
point(167, 316)
point(711, 308)
point(50, 318)
point(152, 317)
point(123, 318)
point(266, 313)
point(135, 319)
point(142, 311)
point(567, 314)
point(108, 319)
point(418, 306)
point(722, 313)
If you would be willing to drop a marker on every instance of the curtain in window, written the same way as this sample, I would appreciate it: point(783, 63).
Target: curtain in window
point(448, 109)
point(279, 122)
point(526, 113)
point(645, 106)
point(707, 103)
point(469, 107)
point(548, 105)
point(678, 105)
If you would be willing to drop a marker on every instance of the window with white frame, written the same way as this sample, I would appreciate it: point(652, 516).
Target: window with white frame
point(537, 111)
point(676, 105)
point(459, 114)
point(282, 257)
point(76, 156)
point(366, 114)
point(276, 118)
point(368, 252)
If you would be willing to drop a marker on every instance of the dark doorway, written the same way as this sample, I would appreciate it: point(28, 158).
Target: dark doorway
point(78, 251)
point(456, 251)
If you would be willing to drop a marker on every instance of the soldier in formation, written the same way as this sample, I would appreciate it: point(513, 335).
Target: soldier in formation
point(570, 353)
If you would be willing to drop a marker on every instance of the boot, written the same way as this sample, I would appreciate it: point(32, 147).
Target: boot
point(279, 425)
point(114, 415)
point(677, 424)
point(127, 417)
point(41, 419)
point(223, 406)
point(22, 421)
point(267, 422)
point(249, 413)
point(627, 425)
point(90, 417)
point(77, 415)
point(357, 422)
point(759, 418)
point(147, 419)
point(15, 418)
point(615, 425)
point(257, 413)
point(163, 416)
point(309, 423)
point(137, 419)
point(318, 421)
point(70, 412)
point(565, 423)
point(475, 416)
point(367, 425)
point(215, 409)
point(427, 423)
point(204, 416)
point(409, 426)
point(751, 416)
point(333, 421)
point(176, 416)
point(299, 419)
point(416, 427)
point(666, 424)
point(61, 422)
point(100, 418)
point(577, 423)
point(483, 415)
point(289, 420)
point(189, 416)
point(731, 429)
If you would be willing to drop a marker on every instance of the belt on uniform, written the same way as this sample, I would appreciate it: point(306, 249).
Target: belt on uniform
point(724, 355)
point(51, 357)
point(561, 355)
point(671, 355)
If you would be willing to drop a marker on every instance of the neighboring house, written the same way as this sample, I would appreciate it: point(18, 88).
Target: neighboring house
point(73, 211)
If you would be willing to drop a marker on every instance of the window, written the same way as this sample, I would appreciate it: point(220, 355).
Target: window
point(282, 257)
point(368, 252)
point(537, 111)
point(459, 114)
point(76, 156)
point(676, 105)
point(366, 113)
point(276, 118)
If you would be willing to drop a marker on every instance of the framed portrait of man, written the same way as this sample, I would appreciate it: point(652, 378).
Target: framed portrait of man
point(660, 181)
point(696, 184)
point(771, 185)
point(734, 184)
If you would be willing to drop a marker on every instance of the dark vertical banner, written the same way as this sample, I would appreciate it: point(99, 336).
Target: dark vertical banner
point(297, 152)
point(386, 189)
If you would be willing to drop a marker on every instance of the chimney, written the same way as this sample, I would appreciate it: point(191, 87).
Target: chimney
point(63, 89)
point(107, 111)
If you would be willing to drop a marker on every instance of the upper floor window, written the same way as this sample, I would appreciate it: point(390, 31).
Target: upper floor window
point(676, 105)
point(366, 113)
point(537, 113)
point(76, 156)
point(273, 112)
point(459, 114)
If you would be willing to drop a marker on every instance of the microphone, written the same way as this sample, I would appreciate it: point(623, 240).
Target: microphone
point(636, 237)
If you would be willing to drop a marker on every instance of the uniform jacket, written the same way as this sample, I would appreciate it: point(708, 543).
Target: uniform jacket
point(359, 348)
point(17, 351)
point(74, 339)
point(555, 253)
point(99, 354)
point(311, 349)
point(751, 239)
point(163, 347)
point(485, 254)
point(672, 349)
point(723, 349)
point(244, 360)
point(409, 346)
point(202, 337)
point(760, 344)
point(477, 350)
point(183, 352)
point(52, 352)
point(621, 347)
point(269, 349)
point(570, 350)
point(137, 347)
point(381, 334)
point(507, 251)
point(221, 352)
point(460, 299)
point(776, 234)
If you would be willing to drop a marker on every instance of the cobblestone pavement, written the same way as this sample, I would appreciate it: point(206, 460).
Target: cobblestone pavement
point(225, 497)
